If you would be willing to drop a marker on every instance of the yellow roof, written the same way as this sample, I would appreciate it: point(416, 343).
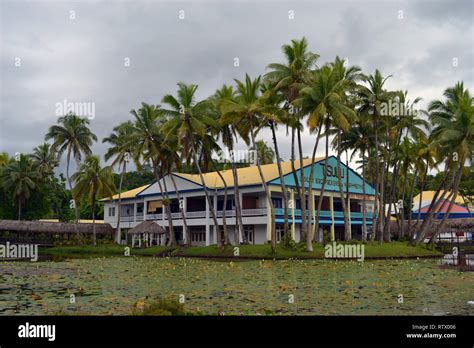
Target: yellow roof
point(429, 195)
point(81, 221)
point(247, 175)
point(127, 194)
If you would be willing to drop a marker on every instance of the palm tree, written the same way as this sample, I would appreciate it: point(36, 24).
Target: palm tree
point(325, 100)
point(246, 114)
point(372, 98)
point(403, 125)
point(264, 152)
point(45, 159)
point(91, 181)
point(4, 159)
point(73, 136)
point(121, 152)
point(359, 139)
point(22, 178)
point(288, 79)
point(453, 134)
point(189, 121)
point(228, 133)
point(145, 140)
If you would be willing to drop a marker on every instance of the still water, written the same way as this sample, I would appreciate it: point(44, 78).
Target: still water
point(111, 286)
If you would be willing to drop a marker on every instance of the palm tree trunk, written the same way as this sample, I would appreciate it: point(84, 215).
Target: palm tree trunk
point(295, 177)
point(323, 185)
point(347, 234)
point(283, 186)
point(377, 210)
point(310, 236)
point(410, 212)
point(117, 232)
point(239, 234)
point(68, 160)
point(268, 194)
point(224, 206)
point(183, 215)
point(432, 208)
point(440, 227)
point(421, 196)
point(94, 238)
point(208, 197)
point(304, 232)
point(164, 197)
point(405, 180)
point(364, 207)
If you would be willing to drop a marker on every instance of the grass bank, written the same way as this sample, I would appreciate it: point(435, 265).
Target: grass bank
point(102, 250)
point(371, 251)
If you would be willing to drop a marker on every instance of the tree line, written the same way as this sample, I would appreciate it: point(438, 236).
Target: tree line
point(349, 111)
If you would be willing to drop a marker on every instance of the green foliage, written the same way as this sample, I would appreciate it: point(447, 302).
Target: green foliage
point(160, 307)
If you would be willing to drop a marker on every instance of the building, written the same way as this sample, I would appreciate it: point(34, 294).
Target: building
point(146, 203)
point(458, 211)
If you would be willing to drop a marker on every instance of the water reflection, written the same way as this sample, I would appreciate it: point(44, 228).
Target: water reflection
point(460, 261)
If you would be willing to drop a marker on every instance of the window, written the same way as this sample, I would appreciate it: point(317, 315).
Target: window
point(277, 202)
point(280, 232)
point(249, 233)
point(111, 211)
point(198, 234)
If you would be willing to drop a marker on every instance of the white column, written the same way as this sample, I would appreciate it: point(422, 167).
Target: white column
point(135, 212)
point(293, 224)
point(349, 213)
point(331, 206)
point(215, 212)
point(269, 216)
point(208, 237)
point(185, 209)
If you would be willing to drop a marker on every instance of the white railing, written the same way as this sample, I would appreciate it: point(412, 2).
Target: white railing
point(139, 217)
point(195, 214)
point(126, 218)
point(154, 216)
point(202, 213)
point(254, 212)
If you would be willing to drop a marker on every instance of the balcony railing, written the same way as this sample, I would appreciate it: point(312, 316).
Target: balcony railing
point(325, 214)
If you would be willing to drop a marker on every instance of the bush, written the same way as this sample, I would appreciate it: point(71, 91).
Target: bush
point(159, 307)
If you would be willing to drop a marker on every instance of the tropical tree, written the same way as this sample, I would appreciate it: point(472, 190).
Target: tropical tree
point(91, 181)
point(246, 113)
point(21, 176)
point(326, 102)
point(121, 151)
point(372, 97)
point(229, 137)
point(144, 138)
point(189, 120)
point(288, 79)
point(71, 136)
point(453, 134)
point(44, 159)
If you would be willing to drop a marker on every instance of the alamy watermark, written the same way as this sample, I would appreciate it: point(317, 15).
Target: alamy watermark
point(19, 251)
point(82, 109)
point(396, 109)
point(344, 251)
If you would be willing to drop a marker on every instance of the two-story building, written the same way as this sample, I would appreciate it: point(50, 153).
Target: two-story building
point(146, 202)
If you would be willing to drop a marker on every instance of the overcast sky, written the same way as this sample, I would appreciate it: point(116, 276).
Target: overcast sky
point(53, 51)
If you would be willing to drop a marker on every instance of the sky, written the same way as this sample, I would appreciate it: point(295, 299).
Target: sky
point(114, 55)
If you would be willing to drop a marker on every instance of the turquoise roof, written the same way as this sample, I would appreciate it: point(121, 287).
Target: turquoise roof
point(355, 180)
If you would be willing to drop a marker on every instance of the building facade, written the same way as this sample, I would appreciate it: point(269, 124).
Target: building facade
point(146, 203)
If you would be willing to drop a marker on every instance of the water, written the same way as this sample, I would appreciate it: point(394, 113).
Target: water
point(111, 286)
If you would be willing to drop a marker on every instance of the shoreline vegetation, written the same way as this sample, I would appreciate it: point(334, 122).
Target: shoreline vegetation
point(373, 251)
